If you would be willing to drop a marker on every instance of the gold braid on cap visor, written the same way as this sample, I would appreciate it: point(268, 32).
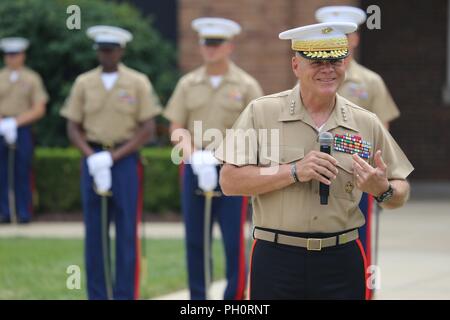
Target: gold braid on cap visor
point(323, 48)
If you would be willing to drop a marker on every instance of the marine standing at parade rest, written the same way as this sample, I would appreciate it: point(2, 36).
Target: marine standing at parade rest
point(207, 101)
point(23, 100)
point(110, 114)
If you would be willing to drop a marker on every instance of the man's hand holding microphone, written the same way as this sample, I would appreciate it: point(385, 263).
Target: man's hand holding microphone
point(321, 166)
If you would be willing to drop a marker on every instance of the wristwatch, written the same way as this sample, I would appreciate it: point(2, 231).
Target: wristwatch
point(385, 196)
point(294, 172)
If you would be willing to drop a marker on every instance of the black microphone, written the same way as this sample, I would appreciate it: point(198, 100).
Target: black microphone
point(326, 141)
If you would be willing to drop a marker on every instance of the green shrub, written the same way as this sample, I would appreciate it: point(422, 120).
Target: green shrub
point(57, 173)
point(59, 55)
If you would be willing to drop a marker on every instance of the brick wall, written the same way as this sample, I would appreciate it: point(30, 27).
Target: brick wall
point(410, 53)
point(258, 49)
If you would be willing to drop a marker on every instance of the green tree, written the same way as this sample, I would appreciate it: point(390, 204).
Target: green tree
point(59, 54)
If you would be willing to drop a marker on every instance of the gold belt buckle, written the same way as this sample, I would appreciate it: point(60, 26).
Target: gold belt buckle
point(108, 146)
point(313, 244)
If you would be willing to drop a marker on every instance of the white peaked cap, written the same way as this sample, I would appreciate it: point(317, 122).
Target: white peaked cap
point(14, 44)
point(216, 28)
point(109, 34)
point(341, 14)
point(321, 40)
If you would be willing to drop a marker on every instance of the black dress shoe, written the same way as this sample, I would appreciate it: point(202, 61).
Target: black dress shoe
point(4, 219)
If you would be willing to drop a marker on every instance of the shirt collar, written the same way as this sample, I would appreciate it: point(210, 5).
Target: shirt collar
point(120, 79)
point(294, 110)
point(229, 76)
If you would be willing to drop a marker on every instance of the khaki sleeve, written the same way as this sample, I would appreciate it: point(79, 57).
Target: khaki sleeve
point(397, 163)
point(73, 106)
point(149, 105)
point(382, 103)
point(254, 91)
point(38, 94)
point(176, 109)
point(240, 146)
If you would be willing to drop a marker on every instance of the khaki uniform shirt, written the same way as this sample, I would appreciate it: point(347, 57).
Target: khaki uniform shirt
point(367, 89)
point(297, 208)
point(111, 116)
point(19, 96)
point(195, 99)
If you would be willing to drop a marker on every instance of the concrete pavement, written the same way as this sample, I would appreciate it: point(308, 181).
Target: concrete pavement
point(414, 256)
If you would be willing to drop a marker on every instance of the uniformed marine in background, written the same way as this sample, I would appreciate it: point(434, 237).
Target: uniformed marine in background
point(22, 103)
point(361, 86)
point(366, 89)
point(110, 114)
point(214, 95)
point(305, 248)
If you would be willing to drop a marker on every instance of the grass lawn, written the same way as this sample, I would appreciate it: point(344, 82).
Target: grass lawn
point(36, 268)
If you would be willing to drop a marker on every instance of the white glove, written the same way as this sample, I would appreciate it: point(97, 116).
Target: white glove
point(8, 128)
point(103, 180)
point(98, 161)
point(207, 178)
point(201, 159)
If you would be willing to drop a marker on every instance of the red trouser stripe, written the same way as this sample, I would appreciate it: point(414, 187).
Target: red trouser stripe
point(361, 248)
point(241, 270)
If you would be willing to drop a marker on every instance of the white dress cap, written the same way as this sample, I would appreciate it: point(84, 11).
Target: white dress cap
point(320, 41)
point(341, 14)
point(109, 35)
point(217, 28)
point(14, 44)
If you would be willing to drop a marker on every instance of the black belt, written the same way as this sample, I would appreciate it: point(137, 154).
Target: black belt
point(105, 146)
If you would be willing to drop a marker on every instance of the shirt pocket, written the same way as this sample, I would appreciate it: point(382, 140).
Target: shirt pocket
point(271, 156)
point(290, 155)
point(93, 102)
point(196, 97)
point(345, 184)
point(3, 88)
point(125, 101)
point(232, 99)
point(231, 106)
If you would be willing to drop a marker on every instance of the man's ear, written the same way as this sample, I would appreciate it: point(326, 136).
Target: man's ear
point(295, 62)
